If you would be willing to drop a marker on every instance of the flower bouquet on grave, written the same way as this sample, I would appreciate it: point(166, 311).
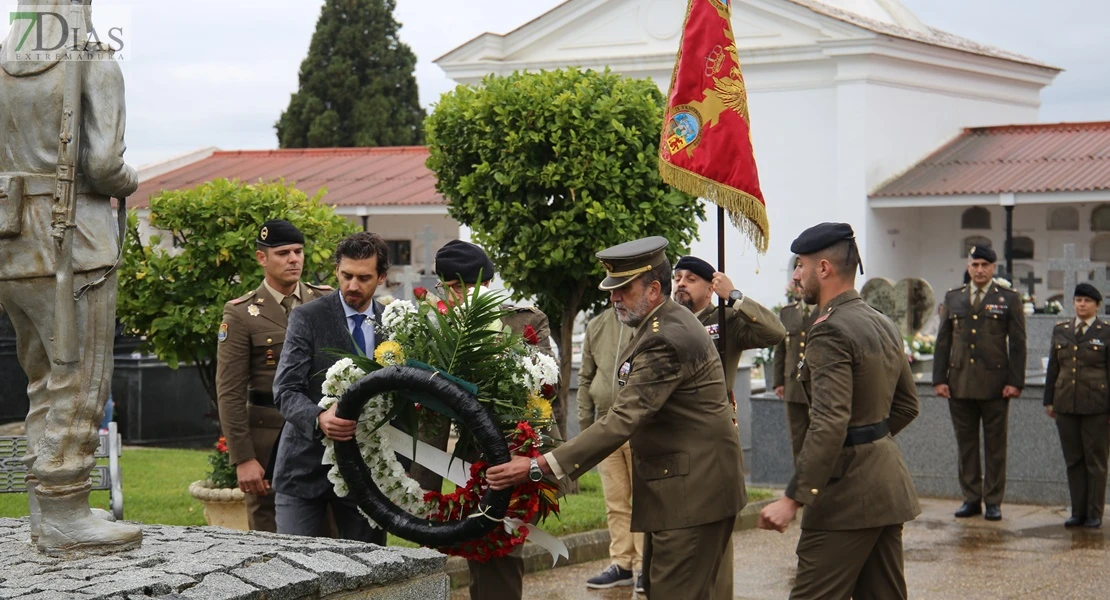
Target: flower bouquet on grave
point(1053, 307)
point(457, 361)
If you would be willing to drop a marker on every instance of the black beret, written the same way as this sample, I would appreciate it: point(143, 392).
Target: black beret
point(278, 232)
point(983, 253)
point(1088, 291)
point(821, 236)
point(462, 261)
point(696, 266)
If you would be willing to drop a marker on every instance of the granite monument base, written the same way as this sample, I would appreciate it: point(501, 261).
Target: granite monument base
point(211, 563)
point(1035, 464)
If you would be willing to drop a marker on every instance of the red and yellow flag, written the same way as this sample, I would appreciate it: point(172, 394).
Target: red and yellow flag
point(706, 145)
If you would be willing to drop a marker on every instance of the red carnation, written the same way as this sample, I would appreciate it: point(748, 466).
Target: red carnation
point(547, 390)
point(530, 335)
point(420, 293)
point(441, 306)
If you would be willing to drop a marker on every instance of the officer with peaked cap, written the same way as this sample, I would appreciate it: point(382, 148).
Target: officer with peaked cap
point(249, 345)
point(749, 325)
point(979, 366)
point(850, 474)
point(1077, 396)
point(672, 406)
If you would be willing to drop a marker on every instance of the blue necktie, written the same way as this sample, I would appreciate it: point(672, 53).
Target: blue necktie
point(360, 338)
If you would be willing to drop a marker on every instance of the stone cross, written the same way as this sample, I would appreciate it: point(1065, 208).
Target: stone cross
point(1031, 282)
point(1071, 266)
point(1102, 284)
point(428, 236)
point(408, 279)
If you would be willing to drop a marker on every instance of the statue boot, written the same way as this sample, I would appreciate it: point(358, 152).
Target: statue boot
point(67, 525)
point(36, 513)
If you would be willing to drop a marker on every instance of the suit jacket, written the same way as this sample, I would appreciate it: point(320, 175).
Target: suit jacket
point(1078, 369)
point(313, 328)
point(855, 373)
point(250, 341)
point(750, 325)
point(673, 405)
point(980, 351)
point(605, 338)
point(791, 350)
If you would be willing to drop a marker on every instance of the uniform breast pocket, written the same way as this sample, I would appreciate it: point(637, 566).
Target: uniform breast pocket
point(266, 347)
point(664, 466)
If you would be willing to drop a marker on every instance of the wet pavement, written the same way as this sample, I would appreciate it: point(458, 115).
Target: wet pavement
point(1028, 554)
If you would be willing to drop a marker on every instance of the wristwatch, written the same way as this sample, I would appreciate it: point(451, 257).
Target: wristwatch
point(733, 297)
point(534, 472)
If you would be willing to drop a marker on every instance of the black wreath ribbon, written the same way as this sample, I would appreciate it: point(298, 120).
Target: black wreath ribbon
point(375, 503)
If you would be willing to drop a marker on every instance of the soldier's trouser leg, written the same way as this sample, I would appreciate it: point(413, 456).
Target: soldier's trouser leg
point(625, 547)
point(499, 578)
point(723, 585)
point(264, 435)
point(965, 421)
point(1071, 443)
point(832, 565)
point(66, 407)
point(683, 563)
point(996, 418)
point(797, 416)
point(1096, 446)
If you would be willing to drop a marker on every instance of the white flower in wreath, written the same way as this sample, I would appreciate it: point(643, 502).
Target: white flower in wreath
point(397, 316)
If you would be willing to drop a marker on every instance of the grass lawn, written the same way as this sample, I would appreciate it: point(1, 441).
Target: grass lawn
point(156, 491)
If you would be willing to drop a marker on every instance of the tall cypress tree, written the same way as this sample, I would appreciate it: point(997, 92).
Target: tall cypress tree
point(357, 86)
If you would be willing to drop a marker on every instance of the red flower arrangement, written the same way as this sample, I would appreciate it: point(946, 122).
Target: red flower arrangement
point(420, 292)
point(529, 500)
point(530, 336)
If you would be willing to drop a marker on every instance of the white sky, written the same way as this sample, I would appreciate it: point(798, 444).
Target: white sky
point(220, 72)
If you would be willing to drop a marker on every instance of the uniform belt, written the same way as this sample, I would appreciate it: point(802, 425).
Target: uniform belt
point(259, 398)
point(43, 185)
point(865, 434)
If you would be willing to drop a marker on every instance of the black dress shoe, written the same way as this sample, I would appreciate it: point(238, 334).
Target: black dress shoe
point(1075, 522)
point(993, 513)
point(969, 509)
point(1092, 523)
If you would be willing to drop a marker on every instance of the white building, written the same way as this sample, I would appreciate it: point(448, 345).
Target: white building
point(844, 95)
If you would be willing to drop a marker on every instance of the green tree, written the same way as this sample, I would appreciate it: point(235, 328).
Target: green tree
point(549, 168)
point(175, 295)
point(356, 85)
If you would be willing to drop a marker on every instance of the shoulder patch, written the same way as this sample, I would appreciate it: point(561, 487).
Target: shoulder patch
point(243, 298)
point(223, 332)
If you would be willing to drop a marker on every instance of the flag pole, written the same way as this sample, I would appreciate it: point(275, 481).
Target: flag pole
point(722, 321)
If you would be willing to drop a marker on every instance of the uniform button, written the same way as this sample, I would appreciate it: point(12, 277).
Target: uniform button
point(665, 471)
point(974, 317)
point(803, 334)
point(269, 340)
point(973, 346)
point(801, 344)
point(801, 355)
point(813, 491)
point(576, 466)
point(972, 332)
point(1073, 370)
point(973, 361)
point(1075, 348)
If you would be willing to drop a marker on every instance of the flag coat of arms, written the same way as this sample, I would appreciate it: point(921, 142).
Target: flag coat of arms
point(705, 147)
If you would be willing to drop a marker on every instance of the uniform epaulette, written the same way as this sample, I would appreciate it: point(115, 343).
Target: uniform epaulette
point(1007, 289)
point(1064, 322)
point(824, 316)
point(243, 298)
point(321, 287)
point(959, 289)
point(526, 309)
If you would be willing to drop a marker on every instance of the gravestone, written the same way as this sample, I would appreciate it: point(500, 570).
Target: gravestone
point(13, 381)
point(1071, 265)
point(428, 272)
point(909, 303)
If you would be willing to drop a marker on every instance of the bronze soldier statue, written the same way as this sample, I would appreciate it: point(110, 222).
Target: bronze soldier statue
point(979, 367)
point(59, 247)
point(850, 474)
point(249, 345)
point(1077, 396)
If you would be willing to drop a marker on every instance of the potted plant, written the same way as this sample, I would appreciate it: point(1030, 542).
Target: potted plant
point(224, 503)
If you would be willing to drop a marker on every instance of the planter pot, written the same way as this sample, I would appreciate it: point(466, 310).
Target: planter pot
point(922, 366)
point(223, 507)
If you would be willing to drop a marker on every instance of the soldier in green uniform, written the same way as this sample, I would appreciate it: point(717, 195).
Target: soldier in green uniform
point(979, 367)
point(250, 341)
point(672, 405)
point(749, 325)
point(1077, 397)
point(850, 474)
point(796, 317)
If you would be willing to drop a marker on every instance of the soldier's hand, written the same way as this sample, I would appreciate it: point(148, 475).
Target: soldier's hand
point(1011, 392)
point(722, 285)
point(941, 390)
point(778, 514)
point(335, 428)
point(1048, 411)
point(508, 474)
point(250, 474)
point(780, 391)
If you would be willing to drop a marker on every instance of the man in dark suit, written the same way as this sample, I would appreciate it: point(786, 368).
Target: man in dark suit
point(850, 475)
point(979, 367)
point(345, 320)
point(672, 405)
point(1076, 396)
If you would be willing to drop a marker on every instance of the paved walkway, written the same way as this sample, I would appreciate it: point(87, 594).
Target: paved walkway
point(1028, 554)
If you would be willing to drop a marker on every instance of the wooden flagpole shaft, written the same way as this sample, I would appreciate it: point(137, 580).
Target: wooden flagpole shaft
point(722, 322)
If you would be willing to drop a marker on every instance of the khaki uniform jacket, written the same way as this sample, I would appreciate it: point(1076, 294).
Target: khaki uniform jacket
point(519, 317)
point(673, 406)
point(791, 350)
point(606, 338)
point(750, 325)
point(1078, 369)
point(980, 351)
point(250, 341)
point(855, 373)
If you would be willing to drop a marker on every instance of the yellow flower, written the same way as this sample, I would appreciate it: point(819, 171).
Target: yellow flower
point(389, 353)
point(539, 407)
